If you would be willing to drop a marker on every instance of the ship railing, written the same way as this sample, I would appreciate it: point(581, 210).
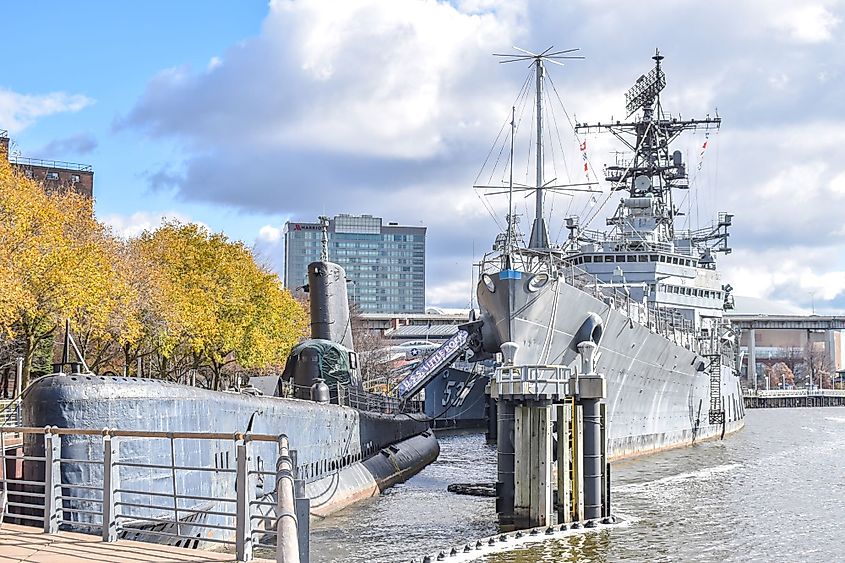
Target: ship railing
point(660, 320)
point(537, 381)
point(101, 494)
point(353, 396)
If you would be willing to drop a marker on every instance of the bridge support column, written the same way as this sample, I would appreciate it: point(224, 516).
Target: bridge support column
point(752, 359)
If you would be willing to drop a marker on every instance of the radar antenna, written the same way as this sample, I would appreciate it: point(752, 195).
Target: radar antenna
point(539, 232)
point(324, 240)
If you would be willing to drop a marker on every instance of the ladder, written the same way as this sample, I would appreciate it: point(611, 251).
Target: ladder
point(717, 412)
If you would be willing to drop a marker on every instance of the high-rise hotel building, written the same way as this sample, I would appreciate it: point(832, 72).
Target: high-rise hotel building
point(384, 263)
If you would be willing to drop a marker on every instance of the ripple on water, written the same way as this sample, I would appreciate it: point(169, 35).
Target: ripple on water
point(771, 492)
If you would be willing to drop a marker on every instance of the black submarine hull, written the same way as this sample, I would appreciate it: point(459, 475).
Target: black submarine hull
point(344, 454)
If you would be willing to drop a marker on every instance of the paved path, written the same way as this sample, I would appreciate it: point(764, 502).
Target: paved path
point(30, 544)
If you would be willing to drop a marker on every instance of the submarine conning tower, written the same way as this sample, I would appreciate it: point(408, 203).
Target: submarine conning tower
point(330, 319)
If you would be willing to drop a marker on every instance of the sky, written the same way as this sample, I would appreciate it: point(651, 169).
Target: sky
point(244, 115)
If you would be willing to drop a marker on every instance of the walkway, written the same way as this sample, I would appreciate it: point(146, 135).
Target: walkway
point(30, 544)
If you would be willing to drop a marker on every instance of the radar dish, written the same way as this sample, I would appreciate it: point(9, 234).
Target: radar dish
point(642, 183)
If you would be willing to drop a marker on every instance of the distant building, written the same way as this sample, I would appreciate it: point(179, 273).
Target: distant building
point(52, 174)
point(385, 264)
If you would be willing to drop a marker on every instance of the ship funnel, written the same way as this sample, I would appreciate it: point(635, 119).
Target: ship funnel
point(509, 350)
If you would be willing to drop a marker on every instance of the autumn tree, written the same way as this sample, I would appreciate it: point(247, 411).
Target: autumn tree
point(57, 263)
point(214, 305)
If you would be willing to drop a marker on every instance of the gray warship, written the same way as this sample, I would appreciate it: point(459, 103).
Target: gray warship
point(647, 293)
point(351, 444)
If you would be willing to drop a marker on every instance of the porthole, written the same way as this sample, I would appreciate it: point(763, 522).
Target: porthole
point(537, 281)
point(488, 282)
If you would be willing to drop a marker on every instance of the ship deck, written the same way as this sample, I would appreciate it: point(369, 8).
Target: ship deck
point(31, 544)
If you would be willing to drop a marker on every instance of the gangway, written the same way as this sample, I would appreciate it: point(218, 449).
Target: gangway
point(435, 364)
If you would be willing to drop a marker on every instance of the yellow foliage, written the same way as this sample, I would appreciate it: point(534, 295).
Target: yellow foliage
point(58, 262)
point(213, 299)
point(178, 290)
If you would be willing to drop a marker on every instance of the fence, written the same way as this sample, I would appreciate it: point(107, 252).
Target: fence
point(788, 393)
point(10, 411)
point(102, 499)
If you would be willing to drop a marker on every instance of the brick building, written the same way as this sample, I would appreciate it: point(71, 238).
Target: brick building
point(52, 174)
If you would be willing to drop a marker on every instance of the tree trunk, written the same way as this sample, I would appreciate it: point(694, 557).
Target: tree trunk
point(28, 353)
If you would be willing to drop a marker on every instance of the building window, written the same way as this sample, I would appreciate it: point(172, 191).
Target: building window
point(52, 175)
point(74, 178)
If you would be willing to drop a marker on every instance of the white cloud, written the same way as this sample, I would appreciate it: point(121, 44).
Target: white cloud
point(127, 226)
point(389, 108)
point(269, 233)
point(452, 293)
point(810, 23)
point(18, 111)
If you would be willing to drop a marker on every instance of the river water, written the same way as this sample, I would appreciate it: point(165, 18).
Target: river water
point(774, 491)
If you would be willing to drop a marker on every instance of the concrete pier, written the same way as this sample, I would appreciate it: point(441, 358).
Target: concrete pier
point(779, 398)
point(529, 397)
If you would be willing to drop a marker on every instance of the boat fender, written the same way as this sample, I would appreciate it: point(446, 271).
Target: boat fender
point(591, 331)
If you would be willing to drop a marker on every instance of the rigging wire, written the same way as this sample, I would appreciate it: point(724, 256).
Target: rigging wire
point(481, 197)
point(592, 169)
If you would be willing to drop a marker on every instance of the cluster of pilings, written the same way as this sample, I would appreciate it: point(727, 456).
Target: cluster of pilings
point(549, 417)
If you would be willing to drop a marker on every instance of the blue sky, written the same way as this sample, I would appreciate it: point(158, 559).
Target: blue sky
point(240, 115)
point(107, 52)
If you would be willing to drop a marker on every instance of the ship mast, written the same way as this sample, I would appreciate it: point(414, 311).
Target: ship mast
point(539, 233)
point(652, 172)
point(324, 239)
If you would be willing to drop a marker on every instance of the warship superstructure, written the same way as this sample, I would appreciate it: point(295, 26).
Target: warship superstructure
point(645, 292)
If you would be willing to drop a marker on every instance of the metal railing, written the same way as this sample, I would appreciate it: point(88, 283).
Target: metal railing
point(43, 163)
point(548, 381)
point(103, 493)
point(787, 393)
point(10, 411)
point(352, 396)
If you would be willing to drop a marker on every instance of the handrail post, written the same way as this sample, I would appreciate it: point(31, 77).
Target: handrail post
point(303, 511)
point(110, 484)
point(4, 494)
point(18, 377)
point(52, 480)
point(287, 542)
point(243, 518)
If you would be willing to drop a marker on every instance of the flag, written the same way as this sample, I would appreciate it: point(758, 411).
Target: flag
point(584, 156)
point(703, 148)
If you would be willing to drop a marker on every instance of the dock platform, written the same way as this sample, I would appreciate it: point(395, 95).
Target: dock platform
point(32, 545)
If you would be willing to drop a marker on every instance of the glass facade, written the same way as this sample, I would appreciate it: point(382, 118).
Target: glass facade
point(385, 264)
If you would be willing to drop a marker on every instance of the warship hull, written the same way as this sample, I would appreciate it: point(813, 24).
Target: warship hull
point(657, 395)
point(344, 454)
point(457, 398)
